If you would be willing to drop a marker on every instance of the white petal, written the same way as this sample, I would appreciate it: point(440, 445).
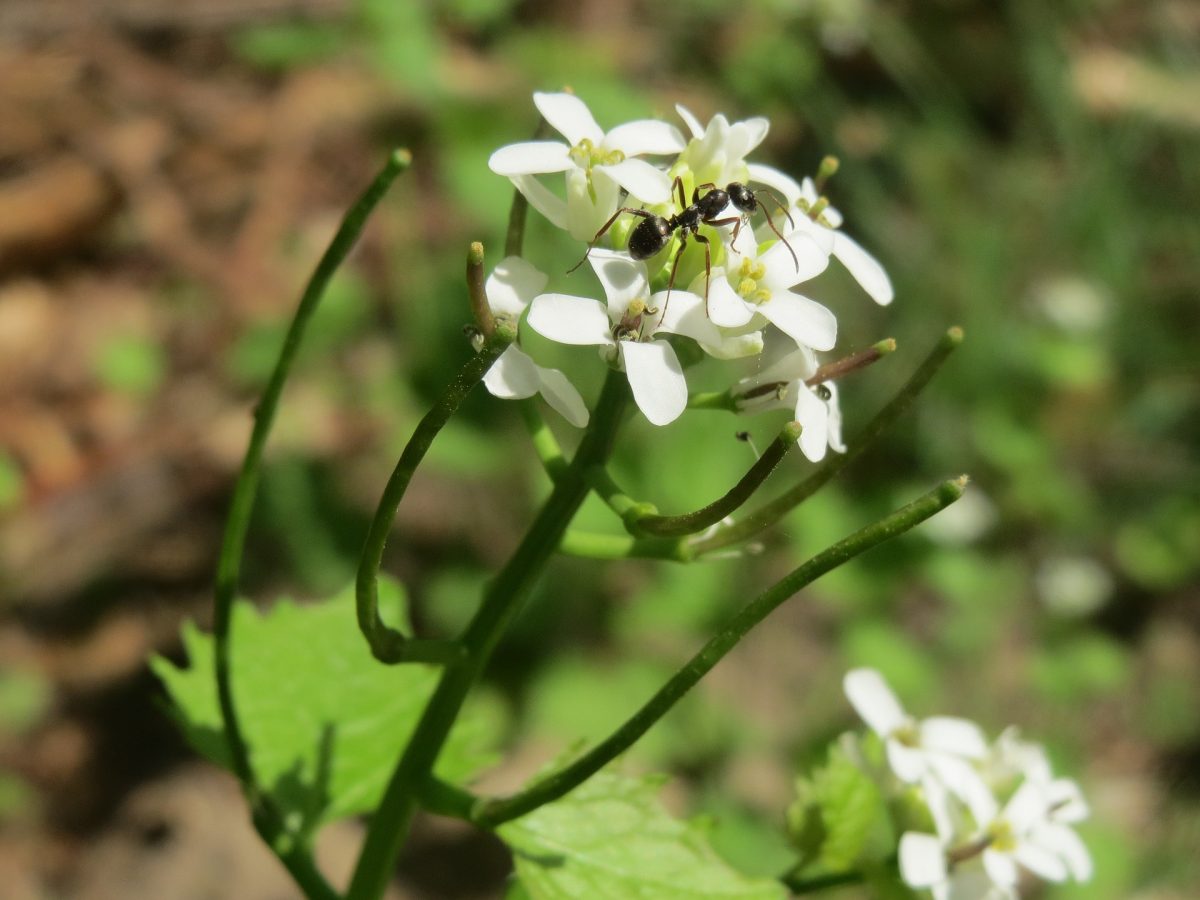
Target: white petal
point(776, 180)
point(1066, 844)
point(645, 136)
point(569, 116)
point(562, 396)
point(961, 778)
point(874, 701)
point(570, 320)
point(784, 271)
point(1000, 868)
point(922, 860)
point(1041, 861)
point(689, 120)
point(813, 416)
point(656, 379)
point(805, 321)
point(512, 284)
point(640, 179)
point(684, 314)
point(736, 346)
point(513, 376)
point(950, 734)
point(531, 158)
point(808, 190)
point(864, 267)
point(725, 307)
point(591, 200)
point(542, 199)
point(1066, 801)
point(1026, 808)
point(907, 763)
point(623, 279)
point(796, 365)
point(835, 420)
point(822, 236)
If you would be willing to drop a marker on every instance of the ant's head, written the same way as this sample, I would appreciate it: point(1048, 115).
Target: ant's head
point(742, 197)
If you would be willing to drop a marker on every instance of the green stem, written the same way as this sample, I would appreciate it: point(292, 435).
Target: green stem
point(690, 523)
point(772, 512)
point(622, 546)
point(233, 541)
point(490, 813)
point(628, 508)
point(388, 644)
point(501, 602)
point(713, 400)
point(544, 443)
point(798, 884)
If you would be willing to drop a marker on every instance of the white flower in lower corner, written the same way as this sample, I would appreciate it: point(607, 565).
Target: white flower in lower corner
point(629, 327)
point(941, 748)
point(782, 385)
point(515, 376)
point(598, 164)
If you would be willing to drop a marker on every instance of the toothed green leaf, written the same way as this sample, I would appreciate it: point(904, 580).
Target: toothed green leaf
point(324, 721)
point(611, 838)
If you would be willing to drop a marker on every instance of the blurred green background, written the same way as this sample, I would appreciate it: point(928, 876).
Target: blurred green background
point(1029, 171)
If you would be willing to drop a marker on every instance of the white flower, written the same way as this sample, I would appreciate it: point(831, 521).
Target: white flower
point(515, 376)
point(938, 748)
point(827, 231)
point(597, 164)
point(628, 327)
point(985, 859)
point(752, 284)
point(717, 152)
point(782, 385)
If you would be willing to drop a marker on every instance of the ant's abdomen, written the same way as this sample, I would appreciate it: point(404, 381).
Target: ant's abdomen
point(649, 237)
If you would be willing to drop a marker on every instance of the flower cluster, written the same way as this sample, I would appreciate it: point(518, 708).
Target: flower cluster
point(995, 809)
point(733, 294)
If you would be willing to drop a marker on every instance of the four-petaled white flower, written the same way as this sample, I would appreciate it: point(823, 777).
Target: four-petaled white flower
point(782, 385)
point(753, 283)
point(629, 327)
point(598, 164)
point(515, 376)
point(826, 230)
point(717, 152)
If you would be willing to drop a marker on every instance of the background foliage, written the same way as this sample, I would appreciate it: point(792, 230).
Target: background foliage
point(1027, 170)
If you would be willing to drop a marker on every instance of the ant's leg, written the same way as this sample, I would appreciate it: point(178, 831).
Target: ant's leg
point(677, 185)
point(707, 267)
point(683, 236)
point(607, 225)
point(735, 221)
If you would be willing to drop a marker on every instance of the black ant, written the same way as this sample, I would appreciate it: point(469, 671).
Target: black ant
point(653, 233)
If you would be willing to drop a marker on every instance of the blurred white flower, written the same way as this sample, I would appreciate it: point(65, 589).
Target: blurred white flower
point(515, 376)
point(598, 164)
point(939, 747)
point(1073, 585)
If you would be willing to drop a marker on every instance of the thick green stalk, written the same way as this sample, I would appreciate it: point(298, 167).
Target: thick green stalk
point(693, 522)
point(387, 644)
point(233, 542)
point(490, 813)
point(772, 512)
point(501, 602)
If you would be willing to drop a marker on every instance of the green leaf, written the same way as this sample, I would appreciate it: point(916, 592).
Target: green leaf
point(324, 721)
point(839, 821)
point(611, 838)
